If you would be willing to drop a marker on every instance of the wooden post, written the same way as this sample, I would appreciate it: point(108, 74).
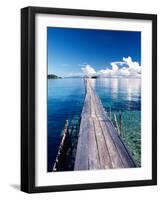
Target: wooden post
point(60, 153)
point(118, 130)
point(120, 115)
point(110, 111)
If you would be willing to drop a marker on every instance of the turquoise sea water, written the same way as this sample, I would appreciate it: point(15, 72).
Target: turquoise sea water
point(65, 101)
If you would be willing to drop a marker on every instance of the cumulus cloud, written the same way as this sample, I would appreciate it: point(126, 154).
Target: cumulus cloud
point(88, 71)
point(125, 68)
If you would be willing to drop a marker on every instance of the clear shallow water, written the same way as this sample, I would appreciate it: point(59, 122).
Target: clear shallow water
point(121, 94)
point(65, 101)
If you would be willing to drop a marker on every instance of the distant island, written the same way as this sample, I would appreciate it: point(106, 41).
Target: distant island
point(53, 76)
point(94, 77)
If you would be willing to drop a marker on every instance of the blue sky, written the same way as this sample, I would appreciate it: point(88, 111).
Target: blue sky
point(69, 49)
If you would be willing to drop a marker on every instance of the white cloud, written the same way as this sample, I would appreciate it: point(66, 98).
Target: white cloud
point(88, 71)
point(114, 67)
point(125, 68)
point(134, 66)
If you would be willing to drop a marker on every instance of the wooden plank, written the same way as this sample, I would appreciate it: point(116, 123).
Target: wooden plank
point(122, 149)
point(104, 155)
point(81, 162)
point(93, 158)
point(99, 145)
point(86, 108)
point(114, 155)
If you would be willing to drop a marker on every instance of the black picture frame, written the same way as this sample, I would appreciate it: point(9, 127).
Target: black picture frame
point(28, 98)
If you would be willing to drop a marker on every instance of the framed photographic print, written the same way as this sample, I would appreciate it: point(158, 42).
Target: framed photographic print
point(88, 99)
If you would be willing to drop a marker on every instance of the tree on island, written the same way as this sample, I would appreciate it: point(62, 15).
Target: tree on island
point(53, 76)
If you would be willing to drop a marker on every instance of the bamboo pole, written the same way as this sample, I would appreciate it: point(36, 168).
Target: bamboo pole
point(60, 150)
point(110, 112)
point(117, 126)
point(120, 115)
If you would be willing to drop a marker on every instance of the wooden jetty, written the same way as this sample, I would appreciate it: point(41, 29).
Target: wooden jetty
point(99, 144)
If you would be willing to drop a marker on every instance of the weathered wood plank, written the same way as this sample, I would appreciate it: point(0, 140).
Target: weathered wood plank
point(99, 145)
point(86, 108)
point(116, 160)
point(110, 130)
point(122, 149)
point(115, 156)
point(104, 155)
point(93, 159)
point(81, 161)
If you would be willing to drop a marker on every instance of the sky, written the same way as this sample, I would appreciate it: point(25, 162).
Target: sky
point(73, 52)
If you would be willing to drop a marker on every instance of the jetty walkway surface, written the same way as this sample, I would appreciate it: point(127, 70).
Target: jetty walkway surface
point(99, 144)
